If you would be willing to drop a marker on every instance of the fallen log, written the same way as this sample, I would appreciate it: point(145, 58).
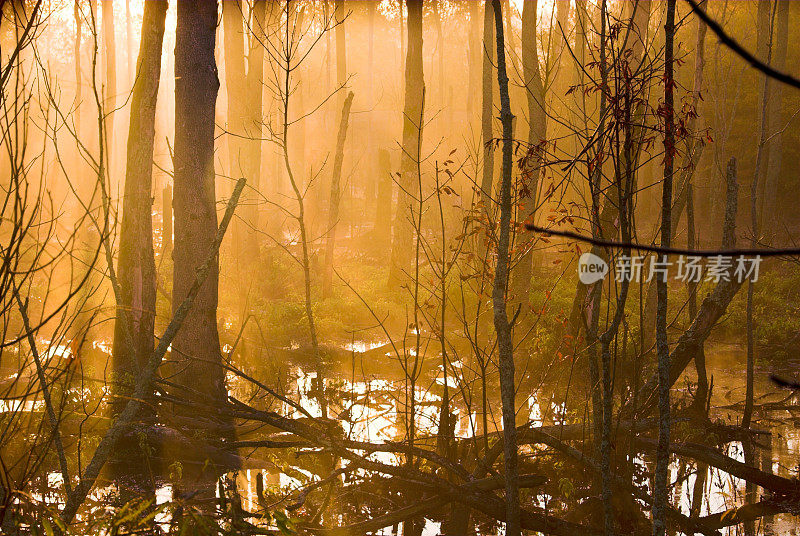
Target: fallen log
point(774, 483)
point(692, 340)
point(742, 514)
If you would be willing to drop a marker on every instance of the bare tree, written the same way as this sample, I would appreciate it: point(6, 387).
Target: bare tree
point(336, 194)
point(412, 135)
point(537, 137)
point(244, 87)
point(136, 270)
point(196, 350)
point(502, 325)
point(661, 479)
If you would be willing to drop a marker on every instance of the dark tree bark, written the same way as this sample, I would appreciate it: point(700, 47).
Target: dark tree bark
point(502, 325)
point(661, 479)
point(196, 349)
point(691, 158)
point(136, 266)
point(412, 138)
point(763, 151)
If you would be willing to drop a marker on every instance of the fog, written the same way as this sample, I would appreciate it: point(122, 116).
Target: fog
point(399, 267)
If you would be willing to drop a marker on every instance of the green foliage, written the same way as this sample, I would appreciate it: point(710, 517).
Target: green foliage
point(776, 310)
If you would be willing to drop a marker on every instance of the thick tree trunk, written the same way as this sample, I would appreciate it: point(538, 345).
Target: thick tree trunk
point(136, 266)
point(336, 194)
point(412, 139)
point(196, 350)
point(502, 325)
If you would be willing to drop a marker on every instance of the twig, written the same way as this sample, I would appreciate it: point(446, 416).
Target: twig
point(740, 50)
point(48, 402)
point(602, 242)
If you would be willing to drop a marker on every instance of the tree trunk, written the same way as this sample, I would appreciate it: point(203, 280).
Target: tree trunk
point(475, 55)
point(136, 270)
point(372, 178)
point(235, 88)
point(383, 213)
point(166, 220)
point(243, 81)
point(759, 178)
point(333, 214)
point(335, 199)
point(661, 479)
point(772, 181)
point(537, 135)
point(110, 65)
point(711, 309)
point(341, 40)
point(402, 34)
point(487, 107)
point(701, 395)
point(607, 218)
point(502, 325)
point(440, 46)
point(412, 139)
point(129, 42)
point(196, 349)
point(693, 152)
